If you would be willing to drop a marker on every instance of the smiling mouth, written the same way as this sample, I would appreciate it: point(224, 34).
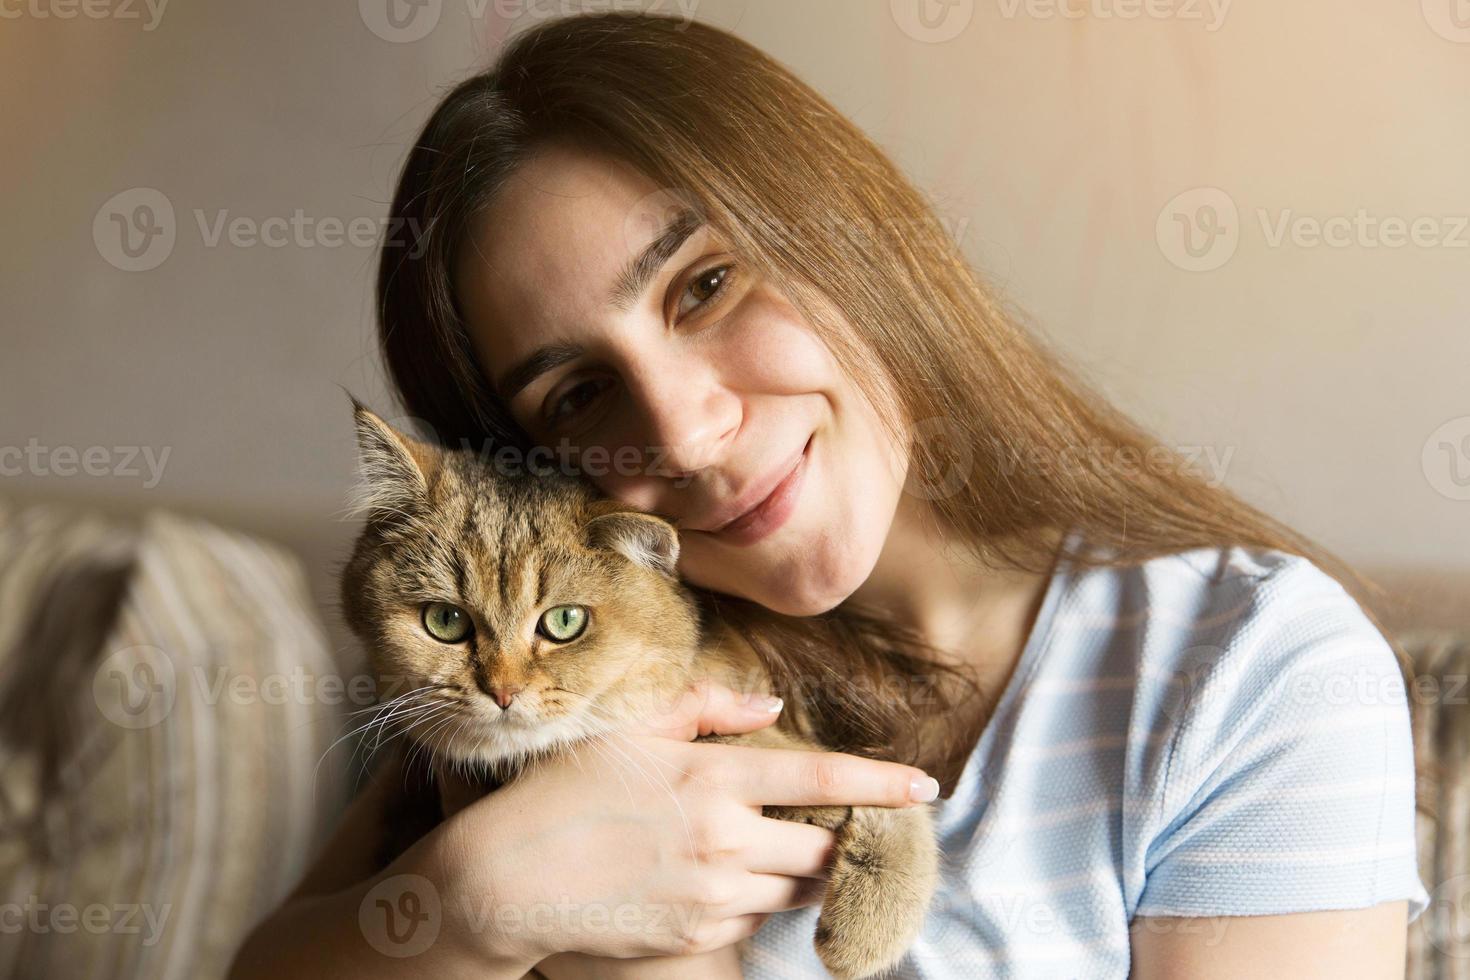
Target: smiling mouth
point(772, 512)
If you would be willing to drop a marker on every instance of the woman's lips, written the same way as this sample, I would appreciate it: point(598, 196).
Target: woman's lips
point(768, 516)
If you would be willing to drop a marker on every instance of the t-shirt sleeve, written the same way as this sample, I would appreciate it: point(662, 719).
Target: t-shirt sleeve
point(1289, 782)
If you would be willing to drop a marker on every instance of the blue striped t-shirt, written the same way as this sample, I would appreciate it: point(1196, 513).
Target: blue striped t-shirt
point(1217, 732)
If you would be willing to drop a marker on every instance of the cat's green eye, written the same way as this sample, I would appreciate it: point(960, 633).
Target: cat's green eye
point(563, 624)
point(446, 623)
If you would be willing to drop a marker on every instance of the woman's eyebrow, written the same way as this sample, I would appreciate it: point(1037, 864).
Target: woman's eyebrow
point(628, 286)
point(541, 360)
point(635, 276)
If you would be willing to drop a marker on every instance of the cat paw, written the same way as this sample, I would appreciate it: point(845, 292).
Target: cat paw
point(883, 876)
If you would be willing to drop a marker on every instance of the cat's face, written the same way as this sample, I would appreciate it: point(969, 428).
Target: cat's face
point(508, 615)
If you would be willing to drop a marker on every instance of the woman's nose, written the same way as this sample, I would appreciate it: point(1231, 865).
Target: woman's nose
point(690, 418)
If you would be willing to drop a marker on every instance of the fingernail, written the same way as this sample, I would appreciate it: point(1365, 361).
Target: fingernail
point(924, 790)
point(767, 703)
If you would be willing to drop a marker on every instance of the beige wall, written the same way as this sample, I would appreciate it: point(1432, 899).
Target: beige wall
point(1330, 380)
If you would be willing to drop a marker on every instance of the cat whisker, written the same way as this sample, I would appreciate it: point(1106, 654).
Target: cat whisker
point(372, 743)
point(613, 729)
point(599, 745)
point(427, 720)
point(377, 712)
point(427, 743)
point(683, 816)
point(430, 720)
point(378, 706)
point(396, 717)
point(405, 718)
point(390, 712)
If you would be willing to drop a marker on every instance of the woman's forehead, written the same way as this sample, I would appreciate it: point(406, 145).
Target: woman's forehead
point(559, 214)
point(550, 249)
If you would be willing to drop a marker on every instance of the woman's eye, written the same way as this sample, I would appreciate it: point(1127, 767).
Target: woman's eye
point(703, 288)
point(563, 624)
point(574, 400)
point(446, 623)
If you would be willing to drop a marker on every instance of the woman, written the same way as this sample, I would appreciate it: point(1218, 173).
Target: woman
point(643, 243)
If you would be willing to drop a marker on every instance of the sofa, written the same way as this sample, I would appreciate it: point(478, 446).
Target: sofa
point(170, 712)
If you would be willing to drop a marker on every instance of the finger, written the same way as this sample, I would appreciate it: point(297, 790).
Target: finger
point(720, 934)
point(809, 891)
point(786, 848)
point(765, 894)
point(792, 777)
point(708, 708)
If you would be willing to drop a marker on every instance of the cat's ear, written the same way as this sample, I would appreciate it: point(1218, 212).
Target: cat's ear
point(395, 469)
point(641, 538)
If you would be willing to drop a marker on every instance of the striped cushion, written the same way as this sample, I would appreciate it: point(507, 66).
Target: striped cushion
point(186, 798)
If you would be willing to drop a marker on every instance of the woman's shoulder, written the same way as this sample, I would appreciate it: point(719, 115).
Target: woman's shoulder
point(1225, 597)
point(1270, 609)
point(1243, 715)
point(1229, 639)
point(1279, 774)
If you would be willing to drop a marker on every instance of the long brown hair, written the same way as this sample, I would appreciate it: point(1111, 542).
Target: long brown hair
point(1017, 444)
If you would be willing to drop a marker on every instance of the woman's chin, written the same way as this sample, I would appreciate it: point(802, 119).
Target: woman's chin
point(801, 605)
point(808, 580)
point(812, 595)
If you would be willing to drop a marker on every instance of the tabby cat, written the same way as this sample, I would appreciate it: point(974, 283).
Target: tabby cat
point(525, 615)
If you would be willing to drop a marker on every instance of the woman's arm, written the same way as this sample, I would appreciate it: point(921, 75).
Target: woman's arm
point(652, 848)
point(1362, 944)
point(1281, 836)
point(323, 927)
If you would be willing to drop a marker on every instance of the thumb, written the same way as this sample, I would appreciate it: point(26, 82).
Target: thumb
point(709, 708)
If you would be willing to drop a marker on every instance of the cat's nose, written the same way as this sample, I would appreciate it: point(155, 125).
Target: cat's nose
point(506, 693)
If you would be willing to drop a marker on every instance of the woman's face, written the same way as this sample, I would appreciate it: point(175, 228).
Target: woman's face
point(681, 384)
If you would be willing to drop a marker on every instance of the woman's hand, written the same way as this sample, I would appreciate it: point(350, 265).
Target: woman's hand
point(719, 964)
point(649, 844)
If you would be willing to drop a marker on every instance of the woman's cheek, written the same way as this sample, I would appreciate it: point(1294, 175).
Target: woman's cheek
point(769, 349)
